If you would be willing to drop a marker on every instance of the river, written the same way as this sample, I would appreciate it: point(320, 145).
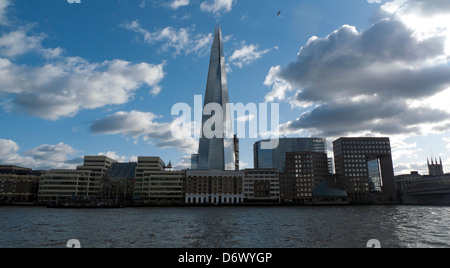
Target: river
point(227, 227)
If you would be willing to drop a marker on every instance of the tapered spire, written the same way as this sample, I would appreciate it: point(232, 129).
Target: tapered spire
point(216, 153)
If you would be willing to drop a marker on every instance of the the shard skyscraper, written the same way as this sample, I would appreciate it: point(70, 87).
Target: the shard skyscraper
point(218, 152)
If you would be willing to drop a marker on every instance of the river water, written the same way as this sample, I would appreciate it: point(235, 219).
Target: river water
point(227, 227)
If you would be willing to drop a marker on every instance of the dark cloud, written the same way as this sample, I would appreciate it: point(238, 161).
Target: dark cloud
point(139, 124)
point(379, 116)
point(384, 59)
point(365, 81)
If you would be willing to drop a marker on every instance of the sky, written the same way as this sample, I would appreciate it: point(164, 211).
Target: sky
point(100, 77)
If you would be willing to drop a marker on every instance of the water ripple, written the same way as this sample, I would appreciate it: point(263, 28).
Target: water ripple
point(240, 227)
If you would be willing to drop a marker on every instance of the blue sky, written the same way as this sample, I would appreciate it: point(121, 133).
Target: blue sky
point(101, 77)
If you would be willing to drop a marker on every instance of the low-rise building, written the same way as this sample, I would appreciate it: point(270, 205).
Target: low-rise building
point(18, 184)
point(214, 187)
point(328, 192)
point(98, 167)
point(66, 185)
point(154, 185)
point(407, 181)
point(118, 183)
point(416, 189)
point(261, 186)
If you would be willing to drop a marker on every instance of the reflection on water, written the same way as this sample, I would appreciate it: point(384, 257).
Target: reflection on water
point(227, 227)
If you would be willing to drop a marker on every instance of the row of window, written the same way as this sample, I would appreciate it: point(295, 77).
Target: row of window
point(65, 188)
point(365, 142)
point(251, 186)
point(249, 195)
point(61, 193)
point(65, 183)
point(387, 147)
point(356, 170)
point(150, 189)
point(346, 153)
point(361, 175)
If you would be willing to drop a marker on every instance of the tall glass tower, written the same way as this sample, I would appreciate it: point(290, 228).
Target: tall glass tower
point(217, 152)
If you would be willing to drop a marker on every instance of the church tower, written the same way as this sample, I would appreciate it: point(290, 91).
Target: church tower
point(435, 168)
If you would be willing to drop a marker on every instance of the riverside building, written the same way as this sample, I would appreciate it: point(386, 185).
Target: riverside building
point(364, 167)
point(261, 186)
point(18, 184)
point(304, 171)
point(118, 182)
point(155, 185)
point(65, 185)
point(214, 187)
point(98, 167)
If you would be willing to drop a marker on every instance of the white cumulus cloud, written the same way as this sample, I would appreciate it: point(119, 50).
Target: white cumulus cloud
point(61, 86)
point(143, 125)
point(247, 54)
point(217, 7)
point(19, 42)
point(179, 3)
point(3, 6)
point(183, 40)
point(42, 157)
point(352, 81)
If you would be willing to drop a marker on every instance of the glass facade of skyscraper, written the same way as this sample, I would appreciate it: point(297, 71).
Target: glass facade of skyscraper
point(276, 158)
point(218, 152)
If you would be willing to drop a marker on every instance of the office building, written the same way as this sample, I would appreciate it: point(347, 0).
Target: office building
point(118, 182)
point(364, 167)
point(98, 167)
point(407, 182)
point(18, 184)
point(216, 146)
point(66, 185)
point(304, 171)
point(154, 185)
point(214, 187)
point(194, 161)
point(276, 158)
point(261, 186)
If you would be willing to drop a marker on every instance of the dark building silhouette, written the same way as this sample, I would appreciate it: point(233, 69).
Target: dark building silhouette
point(425, 190)
point(118, 182)
point(364, 167)
point(435, 168)
point(304, 171)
